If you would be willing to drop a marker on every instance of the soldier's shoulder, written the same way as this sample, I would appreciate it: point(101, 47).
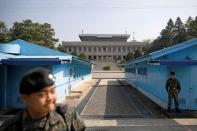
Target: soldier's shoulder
point(13, 123)
point(64, 108)
point(177, 80)
point(168, 80)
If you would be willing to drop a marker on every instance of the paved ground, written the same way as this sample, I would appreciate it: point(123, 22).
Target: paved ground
point(106, 101)
point(112, 98)
point(108, 75)
point(142, 125)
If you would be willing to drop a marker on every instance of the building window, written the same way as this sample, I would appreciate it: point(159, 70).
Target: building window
point(84, 49)
point(131, 70)
point(109, 49)
point(123, 49)
point(69, 49)
point(128, 49)
point(99, 57)
point(94, 49)
point(79, 49)
point(65, 48)
point(74, 48)
point(142, 71)
point(99, 49)
point(89, 49)
point(104, 49)
point(119, 49)
point(114, 49)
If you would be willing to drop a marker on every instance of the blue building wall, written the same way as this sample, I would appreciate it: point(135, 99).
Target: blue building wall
point(150, 78)
point(3, 81)
point(151, 82)
point(79, 72)
point(193, 88)
point(66, 80)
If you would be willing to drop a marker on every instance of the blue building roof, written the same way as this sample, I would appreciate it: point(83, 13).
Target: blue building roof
point(20, 52)
point(31, 49)
point(157, 54)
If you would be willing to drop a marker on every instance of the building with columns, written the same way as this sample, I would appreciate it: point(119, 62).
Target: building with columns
point(103, 47)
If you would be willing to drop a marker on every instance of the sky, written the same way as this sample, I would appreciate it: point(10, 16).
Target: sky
point(146, 18)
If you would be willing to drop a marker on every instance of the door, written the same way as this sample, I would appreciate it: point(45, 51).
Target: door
point(193, 87)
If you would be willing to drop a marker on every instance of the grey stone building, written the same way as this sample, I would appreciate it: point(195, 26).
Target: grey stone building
point(103, 47)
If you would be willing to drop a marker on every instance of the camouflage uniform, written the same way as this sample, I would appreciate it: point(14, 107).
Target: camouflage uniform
point(173, 88)
point(64, 118)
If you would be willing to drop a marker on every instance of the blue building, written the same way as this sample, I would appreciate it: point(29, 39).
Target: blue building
point(18, 56)
point(150, 72)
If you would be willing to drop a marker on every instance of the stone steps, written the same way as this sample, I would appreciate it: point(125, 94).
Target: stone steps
point(74, 95)
point(76, 91)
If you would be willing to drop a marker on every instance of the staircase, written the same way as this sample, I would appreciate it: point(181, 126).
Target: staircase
point(98, 65)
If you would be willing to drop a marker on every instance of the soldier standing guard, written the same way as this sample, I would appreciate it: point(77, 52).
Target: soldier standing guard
point(37, 90)
point(173, 88)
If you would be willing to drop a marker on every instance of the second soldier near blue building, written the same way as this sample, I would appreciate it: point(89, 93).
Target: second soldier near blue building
point(173, 88)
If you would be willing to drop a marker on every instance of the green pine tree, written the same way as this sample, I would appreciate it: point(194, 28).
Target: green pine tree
point(4, 33)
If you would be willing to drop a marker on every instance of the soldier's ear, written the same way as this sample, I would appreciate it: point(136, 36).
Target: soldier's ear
point(24, 97)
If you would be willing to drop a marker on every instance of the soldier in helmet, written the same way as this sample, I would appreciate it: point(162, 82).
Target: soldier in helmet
point(37, 90)
point(173, 88)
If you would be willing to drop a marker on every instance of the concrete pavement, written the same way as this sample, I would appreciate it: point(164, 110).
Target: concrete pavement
point(112, 99)
point(142, 125)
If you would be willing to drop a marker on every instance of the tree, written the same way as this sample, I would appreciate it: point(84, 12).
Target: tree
point(167, 35)
point(173, 34)
point(137, 53)
point(42, 34)
point(82, 56)
point(74, 53)
point(47, 35)
point(191, 27)
point(188, 26)
point(22, 30)
point(155, 45)
point(180, 32)
point(194, 24)
point(165, 39)
point(146, 46)
point(129, 56)
point(61, 48)
point(4, 33)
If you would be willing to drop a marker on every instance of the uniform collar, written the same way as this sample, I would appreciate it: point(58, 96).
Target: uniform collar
point(53, 119)
point(29, 123)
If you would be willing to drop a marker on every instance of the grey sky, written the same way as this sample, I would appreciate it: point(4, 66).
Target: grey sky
point(69, 17)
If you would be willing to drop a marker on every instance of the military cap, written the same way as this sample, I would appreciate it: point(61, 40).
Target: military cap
point(172, 73)
point(35, 80)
